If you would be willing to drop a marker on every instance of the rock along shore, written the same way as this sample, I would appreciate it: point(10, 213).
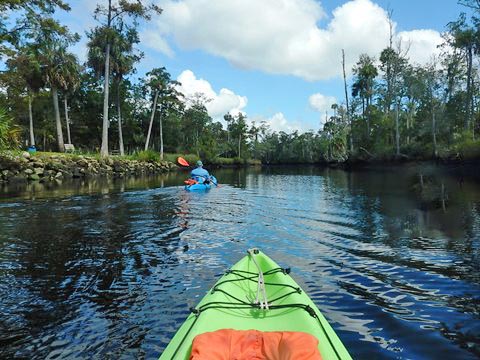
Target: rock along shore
point(25, 167)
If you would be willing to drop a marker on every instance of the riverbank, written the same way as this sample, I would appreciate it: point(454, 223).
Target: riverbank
point(383, 161)
point(16, 166)
point(45, 167)
point(218, 162)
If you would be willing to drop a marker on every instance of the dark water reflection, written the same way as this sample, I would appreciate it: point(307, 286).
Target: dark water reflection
point(108, 269)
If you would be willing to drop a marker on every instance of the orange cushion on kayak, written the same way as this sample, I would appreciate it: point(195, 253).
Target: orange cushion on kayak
point(228, 344)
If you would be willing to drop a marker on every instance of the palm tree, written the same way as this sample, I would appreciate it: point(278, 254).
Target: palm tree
point(26, 65)
point(334, 107)
point(115, 15)
point(61, 71)
point(52, 43)
point(238, 129)
point(123, 59)
point(366, 72)
point(466, 38)
point(255, 132)
point(159, 84)
point(171, 102)
point(70, 72)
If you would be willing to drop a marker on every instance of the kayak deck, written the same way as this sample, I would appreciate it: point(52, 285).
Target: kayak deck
point(231, 303)
point(202, 186)
point(198, 187)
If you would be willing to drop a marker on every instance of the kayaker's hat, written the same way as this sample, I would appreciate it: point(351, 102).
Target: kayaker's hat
point(199, 163)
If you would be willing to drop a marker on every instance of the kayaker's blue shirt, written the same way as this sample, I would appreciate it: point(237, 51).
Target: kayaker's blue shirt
point(201, 173)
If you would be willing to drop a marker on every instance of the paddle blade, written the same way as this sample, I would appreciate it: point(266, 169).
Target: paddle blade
point(183, 162)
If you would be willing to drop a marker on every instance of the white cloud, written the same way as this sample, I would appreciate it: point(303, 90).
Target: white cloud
point(221, 103)
point(155, 41)
point(278, 122)
point(283, 36)
point(321, 103)
point(422, 45)
point(226, 101)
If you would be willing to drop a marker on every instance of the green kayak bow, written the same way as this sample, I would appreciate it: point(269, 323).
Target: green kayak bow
point(256, 294)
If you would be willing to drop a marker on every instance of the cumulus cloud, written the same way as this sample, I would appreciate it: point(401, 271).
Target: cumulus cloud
point(284, 37)
point(321, 103)
point(219, 104)
point(154, 40)
point(278, 122)
point(422, 45)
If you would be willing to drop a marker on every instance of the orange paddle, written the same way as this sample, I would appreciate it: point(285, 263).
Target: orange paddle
point(182, 161)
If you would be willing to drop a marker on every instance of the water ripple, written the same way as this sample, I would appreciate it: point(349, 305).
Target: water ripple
point(112, 274)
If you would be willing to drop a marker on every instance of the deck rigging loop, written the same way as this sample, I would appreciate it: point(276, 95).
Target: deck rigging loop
point(260, 282)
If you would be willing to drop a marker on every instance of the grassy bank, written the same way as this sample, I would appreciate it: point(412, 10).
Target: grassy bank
point(145, 156)
point(151, 155)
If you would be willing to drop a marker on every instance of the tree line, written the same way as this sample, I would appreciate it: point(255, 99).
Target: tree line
point(392, 107)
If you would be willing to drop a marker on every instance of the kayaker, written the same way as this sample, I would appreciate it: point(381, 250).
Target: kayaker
point(200, 173)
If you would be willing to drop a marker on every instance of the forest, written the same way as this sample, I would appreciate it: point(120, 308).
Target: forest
point(392, 109)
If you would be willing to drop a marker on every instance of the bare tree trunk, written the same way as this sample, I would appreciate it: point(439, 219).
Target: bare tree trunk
point(346, 101)
point(410, 120)
point(468, 107)
point(397, 132)
point(161, 136)
point(407, 125)
point(67, 120)
point(61, 145)
point(434, 130)
point(119, 111)
point(367, 112)
point(196, 142)
point(239, 145)
point(154, 108)
point(104, 148)
point(444, 207)
point(30, 117)
point(472, 111)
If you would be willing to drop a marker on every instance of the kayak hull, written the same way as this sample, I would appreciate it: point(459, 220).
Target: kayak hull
point(202, 186)
point(219, 309)
point(198, 187)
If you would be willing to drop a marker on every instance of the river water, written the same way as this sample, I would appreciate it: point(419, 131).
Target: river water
point(109, 269)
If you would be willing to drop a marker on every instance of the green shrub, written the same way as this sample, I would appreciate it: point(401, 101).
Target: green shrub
point(147, 156)
point(255, 162)
point(219, 161)
point(418, 150)
point(9, 133)
point(469, 149)
point(239, 161)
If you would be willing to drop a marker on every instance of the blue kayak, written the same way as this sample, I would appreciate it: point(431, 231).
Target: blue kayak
point(201, 184)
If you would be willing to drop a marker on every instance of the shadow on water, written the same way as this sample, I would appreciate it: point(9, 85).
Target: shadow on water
point(109, 268)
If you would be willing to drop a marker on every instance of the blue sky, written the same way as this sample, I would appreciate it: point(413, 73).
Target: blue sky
point(276, 60)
